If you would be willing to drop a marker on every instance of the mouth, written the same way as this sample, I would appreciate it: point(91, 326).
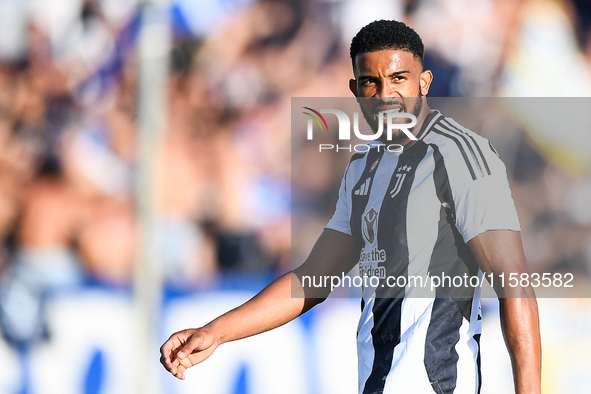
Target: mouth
point(387, 109)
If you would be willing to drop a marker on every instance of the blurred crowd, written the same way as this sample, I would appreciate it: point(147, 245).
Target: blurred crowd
point(69, 127)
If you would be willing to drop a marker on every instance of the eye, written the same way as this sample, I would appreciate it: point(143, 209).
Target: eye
point(368, 82)
point(399, 78)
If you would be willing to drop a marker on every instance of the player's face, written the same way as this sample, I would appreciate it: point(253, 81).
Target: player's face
point(393, 80)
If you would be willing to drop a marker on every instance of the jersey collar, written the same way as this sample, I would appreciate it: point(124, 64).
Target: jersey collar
point(430, 120)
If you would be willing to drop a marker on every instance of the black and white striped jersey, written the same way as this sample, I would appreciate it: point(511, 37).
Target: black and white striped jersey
point(411, 215)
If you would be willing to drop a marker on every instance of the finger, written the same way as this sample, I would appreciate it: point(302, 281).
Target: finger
point(192, 344)
point(180, 372)
point(167, 350)
point(168, 365)
point(168, 361)
point(171, 343)
point(164, 362)
point(178, 369)
point(184, 363)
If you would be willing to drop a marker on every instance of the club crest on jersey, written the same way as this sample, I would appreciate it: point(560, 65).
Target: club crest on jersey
point(400, 175)
point(369, 226)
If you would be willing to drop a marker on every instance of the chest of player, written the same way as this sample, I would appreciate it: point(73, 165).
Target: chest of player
point(396, 199)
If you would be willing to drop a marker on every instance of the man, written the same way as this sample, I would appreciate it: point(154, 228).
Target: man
point(439, 206)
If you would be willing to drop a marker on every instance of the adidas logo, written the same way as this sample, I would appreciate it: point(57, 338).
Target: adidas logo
point(363, 189)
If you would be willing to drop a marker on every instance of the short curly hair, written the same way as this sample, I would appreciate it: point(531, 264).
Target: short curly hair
point(387, 34)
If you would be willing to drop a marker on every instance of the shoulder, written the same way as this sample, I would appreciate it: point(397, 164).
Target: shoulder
point(462, 149)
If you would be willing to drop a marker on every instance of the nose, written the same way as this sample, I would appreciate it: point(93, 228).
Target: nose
point(385, 89)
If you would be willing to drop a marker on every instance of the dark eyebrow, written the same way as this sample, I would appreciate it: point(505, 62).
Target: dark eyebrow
point(394, 74)
point(397, 73)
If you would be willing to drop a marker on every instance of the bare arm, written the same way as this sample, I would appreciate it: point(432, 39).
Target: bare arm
point(502, 252)
point(280, 302)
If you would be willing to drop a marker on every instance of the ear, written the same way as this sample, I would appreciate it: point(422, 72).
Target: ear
point(425, 81)
point(353, 86)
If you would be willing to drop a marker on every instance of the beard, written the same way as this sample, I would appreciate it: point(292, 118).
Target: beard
point(372, 116)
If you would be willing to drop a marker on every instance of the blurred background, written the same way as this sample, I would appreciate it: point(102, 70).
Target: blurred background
point(146, 180)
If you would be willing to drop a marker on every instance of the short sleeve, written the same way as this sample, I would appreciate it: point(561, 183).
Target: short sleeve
point(340, 219)
point(484, 203)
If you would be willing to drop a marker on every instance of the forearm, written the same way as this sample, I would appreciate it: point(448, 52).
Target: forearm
point(280, 302)
point(520, 324)
point(272, 307)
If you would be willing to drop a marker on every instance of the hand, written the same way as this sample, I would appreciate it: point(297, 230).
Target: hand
point(186, 348)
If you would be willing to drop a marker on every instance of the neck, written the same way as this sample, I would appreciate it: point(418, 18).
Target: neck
point(425, 111)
